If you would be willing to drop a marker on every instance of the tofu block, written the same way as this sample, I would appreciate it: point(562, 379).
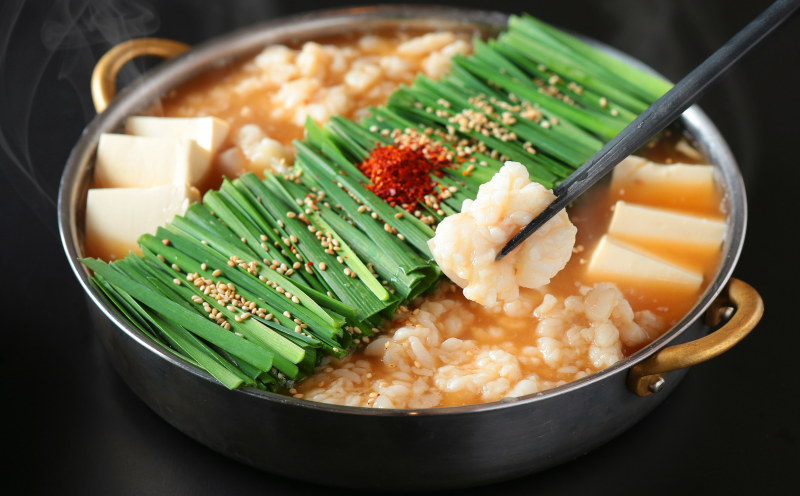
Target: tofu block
point(116, 217)
point(619, 262)
point(125, 161)
point(208, 132)
point(636, 170)
point(637, 223)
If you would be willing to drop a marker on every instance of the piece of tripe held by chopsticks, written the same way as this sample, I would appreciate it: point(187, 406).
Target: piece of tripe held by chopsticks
point(466, 244)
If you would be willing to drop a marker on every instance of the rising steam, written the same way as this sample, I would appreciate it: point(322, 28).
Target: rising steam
point(69, 34)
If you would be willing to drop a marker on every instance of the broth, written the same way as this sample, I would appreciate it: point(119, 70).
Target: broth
point(334, 75)
point(240, 96)
point(470, 340)
point(496, 329)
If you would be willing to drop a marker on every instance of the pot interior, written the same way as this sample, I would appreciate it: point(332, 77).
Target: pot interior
point(215, 53)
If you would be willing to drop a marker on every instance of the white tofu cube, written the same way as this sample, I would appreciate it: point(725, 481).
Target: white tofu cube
point(116, 217)
point(125, 161)
point(636, 223)
point(619, 262)
point(642, 172)
point(208, 132)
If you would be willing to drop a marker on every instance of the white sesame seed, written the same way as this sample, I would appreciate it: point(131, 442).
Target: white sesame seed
point(322, 266)
point(177, 281)
point(161, 257)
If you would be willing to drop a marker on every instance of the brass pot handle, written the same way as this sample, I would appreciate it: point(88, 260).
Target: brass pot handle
point(647, 376)
point(104, 76)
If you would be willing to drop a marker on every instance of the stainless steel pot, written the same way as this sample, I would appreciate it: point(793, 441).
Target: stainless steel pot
point(397, 449)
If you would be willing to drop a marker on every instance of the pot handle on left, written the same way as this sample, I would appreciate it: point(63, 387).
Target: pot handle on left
point(647, 376)
point(104, 76)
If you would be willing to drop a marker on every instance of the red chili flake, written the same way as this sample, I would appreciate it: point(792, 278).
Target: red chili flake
point(401, 175)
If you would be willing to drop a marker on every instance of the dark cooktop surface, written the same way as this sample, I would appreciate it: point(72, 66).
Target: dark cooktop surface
point(71, 426)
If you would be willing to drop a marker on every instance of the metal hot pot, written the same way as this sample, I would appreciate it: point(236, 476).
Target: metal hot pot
point(430, 448)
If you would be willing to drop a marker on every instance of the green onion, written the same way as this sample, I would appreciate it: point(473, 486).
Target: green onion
point(171, 310)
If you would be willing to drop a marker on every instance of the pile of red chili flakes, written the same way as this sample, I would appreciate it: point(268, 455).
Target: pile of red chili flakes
point(401, 174)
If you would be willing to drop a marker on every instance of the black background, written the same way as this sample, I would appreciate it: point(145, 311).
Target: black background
point(70, 425)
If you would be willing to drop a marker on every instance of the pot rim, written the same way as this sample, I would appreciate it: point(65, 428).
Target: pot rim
point(239, 43)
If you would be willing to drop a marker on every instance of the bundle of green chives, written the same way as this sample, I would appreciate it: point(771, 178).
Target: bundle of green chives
point(265, 276)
